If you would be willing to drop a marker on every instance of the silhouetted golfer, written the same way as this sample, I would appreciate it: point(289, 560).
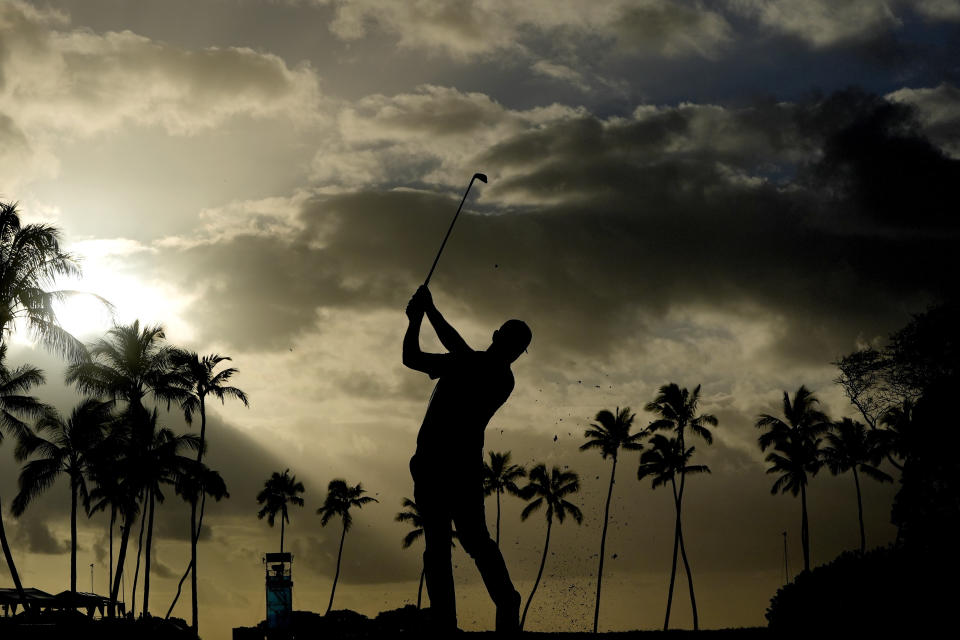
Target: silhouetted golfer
point(447, 467)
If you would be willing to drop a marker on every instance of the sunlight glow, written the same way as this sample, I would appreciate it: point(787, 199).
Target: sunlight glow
point(107, 274)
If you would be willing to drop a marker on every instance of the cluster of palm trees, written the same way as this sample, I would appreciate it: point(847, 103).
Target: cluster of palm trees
point(804, 440)
point(282, 489)
point(111, 449)
point(800, 443)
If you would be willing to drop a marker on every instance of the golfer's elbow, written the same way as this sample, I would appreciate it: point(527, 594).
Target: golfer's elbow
point(412, 358)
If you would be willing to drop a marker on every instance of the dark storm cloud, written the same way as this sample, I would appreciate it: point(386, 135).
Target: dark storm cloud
point(876, 162)
point(775, 205)
point(34, 535)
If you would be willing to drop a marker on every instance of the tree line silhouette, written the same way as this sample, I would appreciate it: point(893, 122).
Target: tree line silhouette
point(112, 449)
point(115, 454)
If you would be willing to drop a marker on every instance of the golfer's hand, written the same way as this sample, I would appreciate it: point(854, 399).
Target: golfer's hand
point(424, 296)
point(415, 309)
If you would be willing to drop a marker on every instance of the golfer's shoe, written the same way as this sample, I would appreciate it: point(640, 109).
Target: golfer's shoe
point(508, 615)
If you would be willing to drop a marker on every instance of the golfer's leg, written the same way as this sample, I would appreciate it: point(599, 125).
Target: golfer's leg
point(438, 567)
point(472, 533)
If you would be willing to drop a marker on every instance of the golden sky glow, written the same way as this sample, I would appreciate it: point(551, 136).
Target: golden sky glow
point(269, 180)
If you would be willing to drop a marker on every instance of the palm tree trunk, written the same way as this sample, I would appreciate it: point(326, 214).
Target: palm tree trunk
point(113, 519)
point(136, 572)
point(683, 552)
point(121, 557)
point(193, 563)
point(603, 543)
point(804, 530)
point(686, 566)
point(146, 568)
point(281, 532)
point(194, 532)
point(536, 583)
point(423, 572)
point(189, 570)
point(336, 575)
point(676, 544)
point(73, 536)
point(863, 535)
point(10, 564)
point(498, 517)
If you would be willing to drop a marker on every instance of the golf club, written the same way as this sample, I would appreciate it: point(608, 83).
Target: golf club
point(477, 176)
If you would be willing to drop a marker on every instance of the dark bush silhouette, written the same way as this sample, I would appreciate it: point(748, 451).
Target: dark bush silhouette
point(886, 589)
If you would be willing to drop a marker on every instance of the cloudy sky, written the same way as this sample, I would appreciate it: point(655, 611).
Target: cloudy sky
point(729, 193)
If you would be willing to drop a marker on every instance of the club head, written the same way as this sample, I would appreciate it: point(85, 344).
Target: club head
point(482, 177)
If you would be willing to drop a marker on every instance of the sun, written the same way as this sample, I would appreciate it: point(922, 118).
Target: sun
point(85, 314)
point(111, 292)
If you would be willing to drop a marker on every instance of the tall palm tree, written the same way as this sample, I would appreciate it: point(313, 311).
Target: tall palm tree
point(850, 447)
point(202, 379)
point(664, 461)
point(412, 515)
point(500, 476)
point(197, 479)
point(278, 490)
point(31, 261)
point(67, 451)
point(610, 433)
point(550, 489)
point(340, 498)
point(796, 451)
point(129, 363)
point(677, 411)
point(14, 405)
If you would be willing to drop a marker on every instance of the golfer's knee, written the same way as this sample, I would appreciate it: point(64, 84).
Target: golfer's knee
point(478, 546)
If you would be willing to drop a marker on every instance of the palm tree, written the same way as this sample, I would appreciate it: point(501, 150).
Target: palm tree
point(796, 451)
point(126, 365)
point(13, 403)
point(31, 261)
point(677, 411)
point(500, 476)
point(277, 491)
point(198, 374)
point(850, 447)
point(67, 452)
point(340, 497)
point(412, 515)
point(551, 490)
point(197, 479)
point(610, 433)
point(664, 461)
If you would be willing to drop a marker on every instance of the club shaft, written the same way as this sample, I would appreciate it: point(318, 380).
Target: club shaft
point(446, 237)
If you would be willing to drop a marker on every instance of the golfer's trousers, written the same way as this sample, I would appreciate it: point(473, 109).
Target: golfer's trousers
point(443, 498)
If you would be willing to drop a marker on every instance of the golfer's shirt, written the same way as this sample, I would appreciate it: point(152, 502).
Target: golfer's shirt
point(472, 385)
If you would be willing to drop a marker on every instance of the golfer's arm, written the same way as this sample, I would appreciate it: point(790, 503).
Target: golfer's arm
point(413, 357)
point(448, 336)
